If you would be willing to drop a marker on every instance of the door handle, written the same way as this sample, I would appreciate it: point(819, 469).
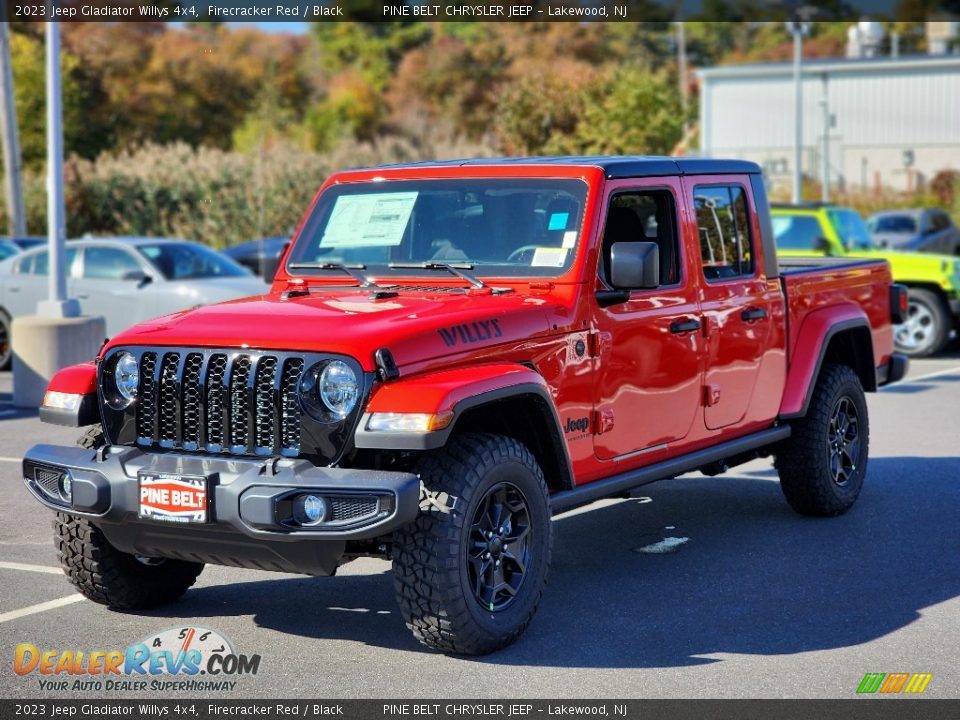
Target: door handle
point(751, 314)
point(684, 326)
point(14, 288)
point(83, 296)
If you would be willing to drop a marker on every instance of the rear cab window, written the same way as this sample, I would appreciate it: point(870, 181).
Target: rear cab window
point(723, 227)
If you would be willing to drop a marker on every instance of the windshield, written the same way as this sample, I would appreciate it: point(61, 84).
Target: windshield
point(496, 227)
point(796, 232)
point(892, 224)
point(852, 229)
point(186, 261)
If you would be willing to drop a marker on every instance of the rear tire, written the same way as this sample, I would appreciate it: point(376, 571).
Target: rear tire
point(470, 570)
point(108, 576)
point(928, 324)
point(823, 463)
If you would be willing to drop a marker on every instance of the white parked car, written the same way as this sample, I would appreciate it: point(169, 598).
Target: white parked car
point(125, 280)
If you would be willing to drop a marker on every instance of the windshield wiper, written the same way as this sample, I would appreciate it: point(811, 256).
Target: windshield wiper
point(352, 270)
point(452, 268)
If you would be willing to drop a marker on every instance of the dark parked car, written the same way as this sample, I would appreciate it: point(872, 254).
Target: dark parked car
point(261, 256)
point(926, 230)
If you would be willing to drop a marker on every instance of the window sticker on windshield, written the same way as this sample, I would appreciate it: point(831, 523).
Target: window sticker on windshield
point(549, 257)
point(558, 221)
point(569, 239)
point(375, 220)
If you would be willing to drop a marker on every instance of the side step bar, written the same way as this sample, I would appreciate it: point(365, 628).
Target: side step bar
point(618, 484)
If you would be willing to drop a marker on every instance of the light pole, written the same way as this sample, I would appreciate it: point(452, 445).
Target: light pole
point(798, 29)
point(57, 304)
point(57, 336)
point(11, 143)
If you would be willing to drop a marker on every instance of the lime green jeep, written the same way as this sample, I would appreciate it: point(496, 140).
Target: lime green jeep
point(933, 280)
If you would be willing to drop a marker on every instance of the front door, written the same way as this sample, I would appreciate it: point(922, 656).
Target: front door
point(648, 348)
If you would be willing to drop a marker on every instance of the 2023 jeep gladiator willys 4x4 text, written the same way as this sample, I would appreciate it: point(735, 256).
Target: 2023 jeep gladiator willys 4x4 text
point(449, 354)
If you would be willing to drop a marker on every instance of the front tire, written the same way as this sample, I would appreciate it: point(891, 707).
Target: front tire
point(823, 463)
point(108, 576)
point(927, 327)
point(470, 570)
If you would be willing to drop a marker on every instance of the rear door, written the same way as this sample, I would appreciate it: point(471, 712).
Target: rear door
point(649, 348)
point(29, 283)
point(741, 308)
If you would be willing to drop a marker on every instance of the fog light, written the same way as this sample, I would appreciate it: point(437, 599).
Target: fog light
point(310, 509)
point(66, 487)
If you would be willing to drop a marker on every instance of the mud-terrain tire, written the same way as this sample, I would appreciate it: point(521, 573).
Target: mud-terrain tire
point(484, 526)
point(823, 463)
point(927, 327)
point(108, 576)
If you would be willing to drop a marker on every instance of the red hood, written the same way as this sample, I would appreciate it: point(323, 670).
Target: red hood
point(414, 326)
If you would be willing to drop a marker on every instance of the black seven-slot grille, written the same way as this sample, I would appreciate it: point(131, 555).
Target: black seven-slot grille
point(239, 403)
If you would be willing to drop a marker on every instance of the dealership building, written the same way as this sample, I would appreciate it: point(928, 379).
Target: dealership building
point(880, 122)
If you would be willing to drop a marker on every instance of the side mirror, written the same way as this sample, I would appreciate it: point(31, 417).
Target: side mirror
point(821, 244)
point(137, 276)
point(635, 265)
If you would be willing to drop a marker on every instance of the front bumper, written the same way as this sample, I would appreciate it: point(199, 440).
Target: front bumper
point(246, 523)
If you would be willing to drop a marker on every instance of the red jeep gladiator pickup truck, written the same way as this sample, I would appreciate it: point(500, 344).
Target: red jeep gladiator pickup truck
point(450, 353)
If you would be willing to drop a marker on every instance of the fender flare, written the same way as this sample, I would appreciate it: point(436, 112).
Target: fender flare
point(813, 340)
point(76, 380)
point(458, 391)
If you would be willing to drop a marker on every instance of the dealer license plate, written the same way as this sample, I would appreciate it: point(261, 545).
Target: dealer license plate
point(171, 497)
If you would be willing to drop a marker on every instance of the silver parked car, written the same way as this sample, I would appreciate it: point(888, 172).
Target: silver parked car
point(923, 229)
point(126, 280)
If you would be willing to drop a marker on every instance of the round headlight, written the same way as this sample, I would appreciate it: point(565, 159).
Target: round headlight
point(338, 388)
point(126, 375)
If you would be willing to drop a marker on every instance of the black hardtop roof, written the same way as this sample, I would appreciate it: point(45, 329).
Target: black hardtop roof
point(614, 166)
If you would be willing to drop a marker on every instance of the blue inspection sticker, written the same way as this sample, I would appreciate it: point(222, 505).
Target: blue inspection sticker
point(558, 221)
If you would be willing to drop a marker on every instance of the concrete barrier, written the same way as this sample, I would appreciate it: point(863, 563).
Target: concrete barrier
point(43, 345)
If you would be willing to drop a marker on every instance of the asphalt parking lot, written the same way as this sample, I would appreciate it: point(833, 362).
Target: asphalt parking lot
point(758, 603)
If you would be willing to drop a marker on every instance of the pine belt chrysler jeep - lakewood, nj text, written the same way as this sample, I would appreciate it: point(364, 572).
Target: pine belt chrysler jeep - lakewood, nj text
point(449, 354)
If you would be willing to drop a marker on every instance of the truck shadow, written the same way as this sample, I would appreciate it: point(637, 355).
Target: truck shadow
point(754, 578)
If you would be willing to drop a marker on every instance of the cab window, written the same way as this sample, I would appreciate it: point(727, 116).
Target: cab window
point(644, 216)
point(723, 225)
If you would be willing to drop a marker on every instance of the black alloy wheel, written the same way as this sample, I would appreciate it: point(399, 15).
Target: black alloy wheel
point(500, 547)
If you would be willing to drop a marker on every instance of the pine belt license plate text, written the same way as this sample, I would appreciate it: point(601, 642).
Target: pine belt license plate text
point(173, 498)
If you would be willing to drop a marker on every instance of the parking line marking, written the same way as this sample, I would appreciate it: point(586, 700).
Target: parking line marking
point(31, 568)
point(10, 459)
point(922, 378)
point(40, 607)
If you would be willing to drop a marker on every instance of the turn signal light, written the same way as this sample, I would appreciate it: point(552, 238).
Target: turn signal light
point(409, 422)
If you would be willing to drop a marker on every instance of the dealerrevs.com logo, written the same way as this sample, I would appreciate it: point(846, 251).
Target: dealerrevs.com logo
point(894, 683)
point(183, 654)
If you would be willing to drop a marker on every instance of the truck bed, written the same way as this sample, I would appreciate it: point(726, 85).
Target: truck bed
point(838, 286)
